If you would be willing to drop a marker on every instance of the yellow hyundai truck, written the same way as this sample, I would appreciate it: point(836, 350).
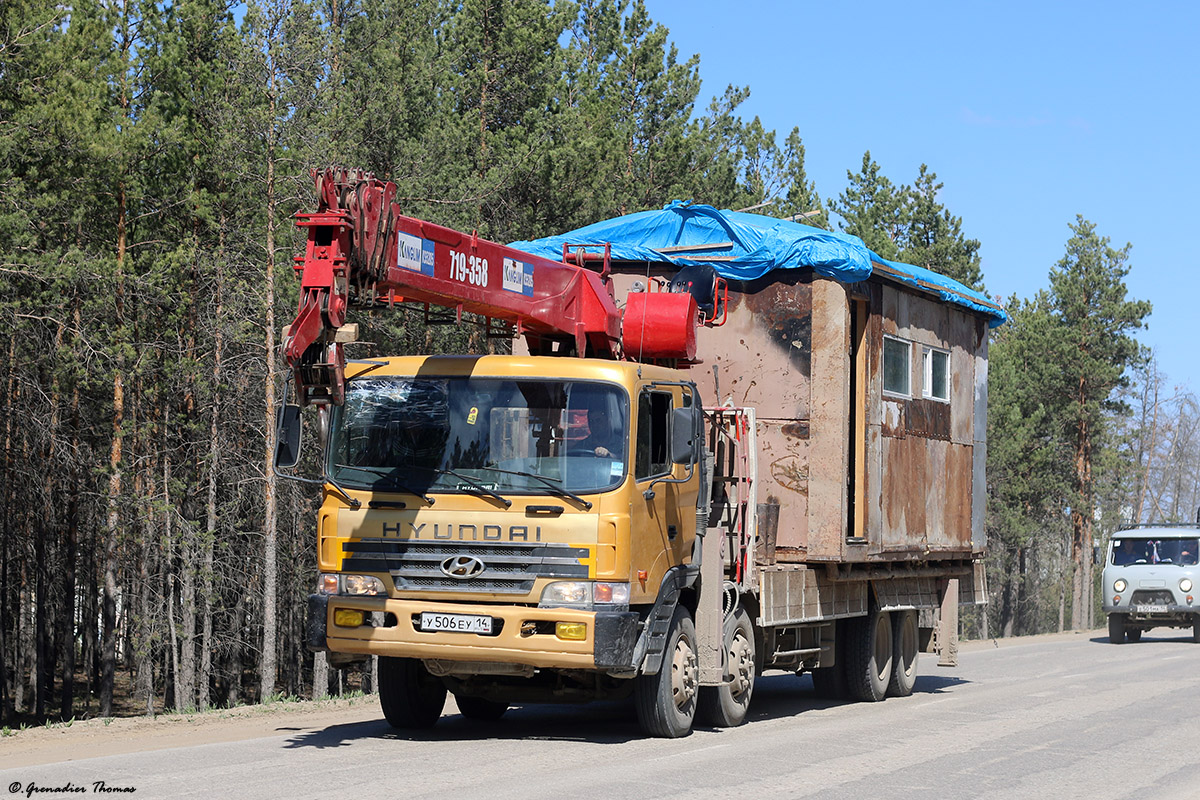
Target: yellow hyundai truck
point(723, 443)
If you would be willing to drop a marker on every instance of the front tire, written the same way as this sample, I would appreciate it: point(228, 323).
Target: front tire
point(869, 651)
point(1133, 635)
point(1116, 628)
point(1196, 630)
point(409, 695)
point(666, 701)
point(725, 706)
point(905, 644)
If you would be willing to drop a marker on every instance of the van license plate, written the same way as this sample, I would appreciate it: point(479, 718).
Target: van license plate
point(1151, 609)
point(459, 623)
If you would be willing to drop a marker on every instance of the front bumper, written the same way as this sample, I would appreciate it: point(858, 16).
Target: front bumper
point(1164, 613)
point(608, 645)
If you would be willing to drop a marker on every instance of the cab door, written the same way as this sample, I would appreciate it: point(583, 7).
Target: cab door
point(664, 513)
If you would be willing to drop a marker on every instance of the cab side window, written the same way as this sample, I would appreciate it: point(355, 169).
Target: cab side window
point(653, 435)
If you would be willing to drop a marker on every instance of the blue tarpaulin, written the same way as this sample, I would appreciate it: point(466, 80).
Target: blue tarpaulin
point(745, 246)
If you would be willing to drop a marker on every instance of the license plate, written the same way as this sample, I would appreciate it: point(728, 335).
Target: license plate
point(459, 623)
point(1151, 609)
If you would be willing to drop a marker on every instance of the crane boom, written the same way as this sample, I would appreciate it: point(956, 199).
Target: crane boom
point(361, 250)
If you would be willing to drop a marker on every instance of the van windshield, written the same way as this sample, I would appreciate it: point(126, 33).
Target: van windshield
point(1126, 551)
point(509, 436)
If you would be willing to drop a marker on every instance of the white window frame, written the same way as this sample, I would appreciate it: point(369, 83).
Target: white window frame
point(907, 367)
point(927, 373)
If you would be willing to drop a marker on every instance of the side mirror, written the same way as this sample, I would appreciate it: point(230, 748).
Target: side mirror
point(287, 437)
point(686, 426)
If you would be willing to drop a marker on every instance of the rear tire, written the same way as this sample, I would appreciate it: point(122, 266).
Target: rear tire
point(1196, 630)
point(409, 695)
point(1133, 634)
point(725, 706)
point(905, 643)
point(479, 708)
point(666, 702)
point(1116, 628)
point(869, 656)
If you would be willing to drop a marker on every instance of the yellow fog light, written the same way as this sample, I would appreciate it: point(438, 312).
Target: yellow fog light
point(348, 617)
point(574, 631)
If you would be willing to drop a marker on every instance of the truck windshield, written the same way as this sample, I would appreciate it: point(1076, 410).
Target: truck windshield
point(1154, 551)
point(510, 436)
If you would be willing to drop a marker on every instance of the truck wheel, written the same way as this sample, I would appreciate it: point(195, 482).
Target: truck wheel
point(830, 682)
point(409, 695)
point(666, 702)
point(1116, 628)
point(1196, 630)
point(869, 656)
point(905, 642)
point(480, 708)
point(725, 706)
point(1133, 634)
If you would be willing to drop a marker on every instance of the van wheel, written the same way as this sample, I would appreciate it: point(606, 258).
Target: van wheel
point(409, 695)
point(905, 643)
point(869, 656)
point(666, 701)
point(725, 706)
point(479, 708)
point(1133, 634)
point(1196, 630)
point(1116, 628)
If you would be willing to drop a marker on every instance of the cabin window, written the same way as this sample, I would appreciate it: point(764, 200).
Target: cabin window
point(897, 369)
point(936, 367)
point(653, 457)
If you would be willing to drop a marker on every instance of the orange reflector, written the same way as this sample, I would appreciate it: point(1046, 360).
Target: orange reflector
point(1116, 599)
point(348, 617)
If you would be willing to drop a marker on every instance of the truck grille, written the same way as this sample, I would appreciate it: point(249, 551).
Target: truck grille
point(506, 568)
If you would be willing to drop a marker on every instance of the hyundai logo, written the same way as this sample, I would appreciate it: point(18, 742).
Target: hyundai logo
point(463, 567)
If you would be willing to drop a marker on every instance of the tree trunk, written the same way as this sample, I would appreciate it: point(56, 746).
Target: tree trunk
point(267, 666)
point(214, 451)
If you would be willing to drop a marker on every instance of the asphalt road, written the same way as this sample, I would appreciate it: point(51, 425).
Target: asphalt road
point(1065, 716)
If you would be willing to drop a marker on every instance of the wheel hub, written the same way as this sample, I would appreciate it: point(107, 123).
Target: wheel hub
point(741, 658)
point(685, 673)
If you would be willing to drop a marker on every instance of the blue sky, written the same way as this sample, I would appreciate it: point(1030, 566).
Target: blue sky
point(1030, 113)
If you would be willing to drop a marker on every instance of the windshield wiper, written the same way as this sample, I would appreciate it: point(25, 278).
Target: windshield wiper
point(386, 472)
point(474, 485)
point(550, 483)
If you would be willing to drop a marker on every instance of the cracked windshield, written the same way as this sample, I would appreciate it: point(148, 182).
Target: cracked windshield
point(480, 435)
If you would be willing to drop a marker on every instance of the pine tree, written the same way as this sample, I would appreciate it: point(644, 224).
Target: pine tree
point(933, 236)
point(874, 209)
point(1095, 322)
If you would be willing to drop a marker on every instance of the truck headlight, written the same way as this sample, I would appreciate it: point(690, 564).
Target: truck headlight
point(584, 594)
point(1185, 585)
point(350, 584)
point(362, 584)
point(1119, 585)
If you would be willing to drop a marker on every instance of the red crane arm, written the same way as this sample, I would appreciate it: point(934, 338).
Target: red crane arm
point(361, 249)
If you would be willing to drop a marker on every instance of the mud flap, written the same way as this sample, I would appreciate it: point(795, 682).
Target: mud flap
point(946, 633)
point(314, 624)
